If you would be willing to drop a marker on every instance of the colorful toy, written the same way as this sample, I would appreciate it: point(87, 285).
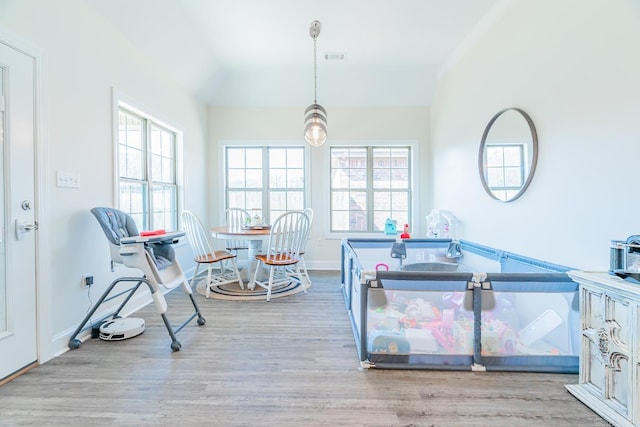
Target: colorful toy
point(407, 323)
point(390, 226)
point(442, 334)
point(388, 342)
point(498, 338)
point(419, 310)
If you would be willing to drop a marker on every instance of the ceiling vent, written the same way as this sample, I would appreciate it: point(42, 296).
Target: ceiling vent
point(334, 56)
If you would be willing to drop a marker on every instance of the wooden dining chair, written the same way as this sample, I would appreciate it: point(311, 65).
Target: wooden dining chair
point(282, 253)
point(204, 254)
point(303, 265)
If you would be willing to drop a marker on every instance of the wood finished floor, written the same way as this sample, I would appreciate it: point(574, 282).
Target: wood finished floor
point(289, 362)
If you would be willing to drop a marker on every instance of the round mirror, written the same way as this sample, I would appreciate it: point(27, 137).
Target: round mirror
point(508, 154)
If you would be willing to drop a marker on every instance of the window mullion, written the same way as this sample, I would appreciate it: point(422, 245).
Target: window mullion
point(266, 191)
point(147, 171)
point(409, 188)
point(226, 179)
point(369, 190)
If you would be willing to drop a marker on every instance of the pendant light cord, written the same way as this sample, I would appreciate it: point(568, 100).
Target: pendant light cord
point(315, 68)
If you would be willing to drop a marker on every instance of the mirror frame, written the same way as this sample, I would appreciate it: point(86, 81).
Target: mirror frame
point(534, 157)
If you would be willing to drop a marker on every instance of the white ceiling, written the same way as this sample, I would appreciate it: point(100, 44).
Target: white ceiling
point(260, 53)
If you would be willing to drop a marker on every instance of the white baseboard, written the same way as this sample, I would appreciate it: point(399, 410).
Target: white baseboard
point(323, 265)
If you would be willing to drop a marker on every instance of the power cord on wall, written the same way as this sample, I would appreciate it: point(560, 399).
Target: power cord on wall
point(90, 305)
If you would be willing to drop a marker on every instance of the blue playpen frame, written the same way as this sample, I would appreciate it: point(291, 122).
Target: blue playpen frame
point(517, 274)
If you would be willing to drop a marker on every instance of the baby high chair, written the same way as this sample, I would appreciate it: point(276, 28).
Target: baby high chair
point(154, 256)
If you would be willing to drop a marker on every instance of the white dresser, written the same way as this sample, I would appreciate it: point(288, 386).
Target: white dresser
point(609, 379)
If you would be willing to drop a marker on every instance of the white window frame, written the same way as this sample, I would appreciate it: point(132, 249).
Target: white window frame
point(525, 165)
point(414, 186)
point(521, 168)
point(257, 144)
point(119, 100)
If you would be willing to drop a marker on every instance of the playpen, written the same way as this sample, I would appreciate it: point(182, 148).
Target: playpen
point(413, 304)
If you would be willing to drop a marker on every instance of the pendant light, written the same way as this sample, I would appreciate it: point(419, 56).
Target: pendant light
point(315, 116)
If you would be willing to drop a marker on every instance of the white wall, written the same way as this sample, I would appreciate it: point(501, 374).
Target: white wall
point(85, 58)
point(574, 67)
point(345, 124)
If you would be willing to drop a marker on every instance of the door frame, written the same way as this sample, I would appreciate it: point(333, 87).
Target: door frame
point(44, 339)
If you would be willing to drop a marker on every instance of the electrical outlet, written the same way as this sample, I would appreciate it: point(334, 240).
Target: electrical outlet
point(86, 280)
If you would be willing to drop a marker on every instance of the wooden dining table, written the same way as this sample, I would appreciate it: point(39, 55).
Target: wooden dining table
point(254, 236)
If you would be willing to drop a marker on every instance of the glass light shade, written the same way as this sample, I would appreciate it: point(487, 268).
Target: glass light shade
point(315, 125)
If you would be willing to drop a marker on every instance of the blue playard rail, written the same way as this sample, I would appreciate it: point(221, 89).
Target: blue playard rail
point(413, 307)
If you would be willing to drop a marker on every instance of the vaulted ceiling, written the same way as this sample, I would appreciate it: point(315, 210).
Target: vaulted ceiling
point(260, 52)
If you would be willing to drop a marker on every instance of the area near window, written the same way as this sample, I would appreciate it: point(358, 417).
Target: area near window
point(269, 179)
point(147, 171)
point(369, 185)
point(505, 165)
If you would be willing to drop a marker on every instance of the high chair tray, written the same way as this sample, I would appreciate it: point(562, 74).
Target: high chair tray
point(151, 239)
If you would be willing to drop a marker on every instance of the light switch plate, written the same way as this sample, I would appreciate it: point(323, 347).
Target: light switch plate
point(68, 179)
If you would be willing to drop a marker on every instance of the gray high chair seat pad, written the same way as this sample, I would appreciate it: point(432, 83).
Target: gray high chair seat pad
point(117, 224)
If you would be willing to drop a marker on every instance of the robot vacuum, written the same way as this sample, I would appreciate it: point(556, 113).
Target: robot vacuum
point(121, 329)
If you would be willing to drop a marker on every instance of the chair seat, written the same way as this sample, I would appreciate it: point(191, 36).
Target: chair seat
point(278, 259)
point(217, 256)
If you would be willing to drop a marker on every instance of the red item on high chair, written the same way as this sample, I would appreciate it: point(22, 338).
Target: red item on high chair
point(152, 233)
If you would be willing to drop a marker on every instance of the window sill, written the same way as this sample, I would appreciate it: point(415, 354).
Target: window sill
point(340, 236)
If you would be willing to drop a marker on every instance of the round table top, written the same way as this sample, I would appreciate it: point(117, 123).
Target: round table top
point(240, 232)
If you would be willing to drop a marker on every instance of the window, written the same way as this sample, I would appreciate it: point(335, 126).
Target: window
point(269, 179)
point(505, 169)
point(369, 185)
point(148, 185)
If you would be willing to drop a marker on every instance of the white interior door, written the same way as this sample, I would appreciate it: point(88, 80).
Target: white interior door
point(18, 333)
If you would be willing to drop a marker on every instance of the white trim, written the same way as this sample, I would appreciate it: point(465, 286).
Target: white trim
point(135, 106)
point(223, 144)
point(115, 164)
point(415, 183)
point(321, 160)
point(41, 208)
point(324, 265)
point(120, 99)
point(20, 44)
point(43, 251)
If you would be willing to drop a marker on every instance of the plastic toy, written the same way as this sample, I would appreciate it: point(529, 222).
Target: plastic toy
point(388, 342)
point(390, 226)
point(442, 334)
point(421, 310)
